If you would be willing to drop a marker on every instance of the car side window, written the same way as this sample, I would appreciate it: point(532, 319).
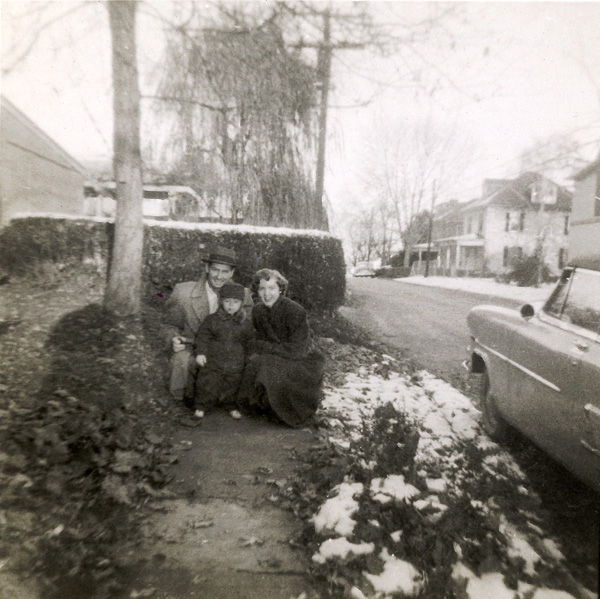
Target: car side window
point(556, 303)
point(576, 300)
point(582, 307)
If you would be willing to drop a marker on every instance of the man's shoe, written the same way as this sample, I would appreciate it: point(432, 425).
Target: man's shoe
point(235, 414)
point(199, 414)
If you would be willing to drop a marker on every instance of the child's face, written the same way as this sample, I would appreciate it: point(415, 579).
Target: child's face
point(231, 305)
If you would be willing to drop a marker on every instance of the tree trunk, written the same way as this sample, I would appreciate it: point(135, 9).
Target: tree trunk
point(324, 72)
point(123, 291)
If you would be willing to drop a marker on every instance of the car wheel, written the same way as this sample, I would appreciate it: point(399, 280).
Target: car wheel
point(493, 423)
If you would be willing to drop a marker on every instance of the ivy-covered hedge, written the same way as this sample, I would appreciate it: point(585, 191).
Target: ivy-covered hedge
point(312, 261)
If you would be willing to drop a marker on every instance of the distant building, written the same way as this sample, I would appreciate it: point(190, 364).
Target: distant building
point(36, 174)
point(584, 245)
point(161, 202)
point(513, 218)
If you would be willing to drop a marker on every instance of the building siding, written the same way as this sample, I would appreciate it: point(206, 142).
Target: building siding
point(36, 175)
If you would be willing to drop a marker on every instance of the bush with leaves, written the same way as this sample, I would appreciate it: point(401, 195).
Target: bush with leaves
point(432, 538)
point(529, 271)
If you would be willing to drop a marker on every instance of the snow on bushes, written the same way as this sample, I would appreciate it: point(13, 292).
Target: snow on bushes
point(312, 261)
point(406, 497)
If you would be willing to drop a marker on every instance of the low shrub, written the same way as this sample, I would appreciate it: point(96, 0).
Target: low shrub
point(393, 272)
point(528, 271)
point(312, 261)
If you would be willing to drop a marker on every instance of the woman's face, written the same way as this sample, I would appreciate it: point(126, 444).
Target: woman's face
point(269, 292)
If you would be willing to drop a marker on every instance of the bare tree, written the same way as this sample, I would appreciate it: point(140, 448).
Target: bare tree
point(123, 291)
point(404, 162)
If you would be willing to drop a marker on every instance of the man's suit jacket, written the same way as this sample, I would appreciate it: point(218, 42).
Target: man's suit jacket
point(187, 308)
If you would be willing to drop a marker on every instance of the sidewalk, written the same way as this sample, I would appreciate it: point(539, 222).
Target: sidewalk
point(484, 287)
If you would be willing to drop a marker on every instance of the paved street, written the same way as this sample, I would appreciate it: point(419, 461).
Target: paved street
point(427, 323)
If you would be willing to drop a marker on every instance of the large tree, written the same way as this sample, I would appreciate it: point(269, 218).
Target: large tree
point(123, 291)
point(242, 105)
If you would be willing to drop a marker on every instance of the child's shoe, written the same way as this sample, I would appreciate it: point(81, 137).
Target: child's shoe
point(199, 414)
point(235, 414)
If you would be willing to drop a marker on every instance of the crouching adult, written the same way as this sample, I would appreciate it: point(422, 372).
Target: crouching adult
point(285, 376)
point(190, 303)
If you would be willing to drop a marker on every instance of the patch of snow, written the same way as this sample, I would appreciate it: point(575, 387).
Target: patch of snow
point(283, 231)
point(543, 593)
point(519, 547)
point(483, 287)
point(476, 587)
point(398, 576)
point(392, 487)
point(335, 514)
point(436, 485)
point(356, 593)
point(340, 548)
point(396, 535)
point(552, 547)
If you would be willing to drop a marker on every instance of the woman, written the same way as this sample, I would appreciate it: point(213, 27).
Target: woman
point(287, 372)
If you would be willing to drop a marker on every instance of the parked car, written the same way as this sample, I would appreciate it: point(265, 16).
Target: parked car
point(540, 368)
point(363, 269)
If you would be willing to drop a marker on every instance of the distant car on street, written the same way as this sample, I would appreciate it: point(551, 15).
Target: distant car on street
point(540, 368)
point(363, 269)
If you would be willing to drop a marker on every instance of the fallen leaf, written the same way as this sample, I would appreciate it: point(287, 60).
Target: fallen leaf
point(143, 593)
point(201, 523)
point(249, 542)
point(264, 470)
point(114, 488)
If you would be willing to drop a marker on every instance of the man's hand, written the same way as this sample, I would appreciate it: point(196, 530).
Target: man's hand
point(201, 360)
point(179, 342)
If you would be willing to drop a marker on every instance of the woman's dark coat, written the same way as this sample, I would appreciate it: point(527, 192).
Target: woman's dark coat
point(289, 366)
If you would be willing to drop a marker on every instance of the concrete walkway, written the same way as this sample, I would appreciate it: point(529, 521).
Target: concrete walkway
point(224, 536)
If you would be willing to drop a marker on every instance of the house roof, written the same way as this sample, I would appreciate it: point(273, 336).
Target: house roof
point(587, 170)
point(516, 194)
point(9, 107)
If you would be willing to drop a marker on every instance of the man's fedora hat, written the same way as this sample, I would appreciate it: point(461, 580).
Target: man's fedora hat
point(221, 255)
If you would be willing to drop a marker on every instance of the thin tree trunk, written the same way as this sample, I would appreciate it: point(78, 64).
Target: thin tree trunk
point(324, 71)
point(122, 296)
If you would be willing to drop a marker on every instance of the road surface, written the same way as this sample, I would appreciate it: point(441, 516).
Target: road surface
point(428, 324)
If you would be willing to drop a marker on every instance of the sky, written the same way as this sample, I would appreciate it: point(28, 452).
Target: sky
point(505, 76)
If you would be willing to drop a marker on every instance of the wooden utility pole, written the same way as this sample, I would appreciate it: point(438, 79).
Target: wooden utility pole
point(324, 74)
point(430, 229)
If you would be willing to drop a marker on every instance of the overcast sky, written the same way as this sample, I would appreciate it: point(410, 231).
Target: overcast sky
point(508, 74)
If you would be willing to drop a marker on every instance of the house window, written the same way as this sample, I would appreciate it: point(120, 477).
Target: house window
point(480, 229)
point(566, 227)
point(561, 258)
point(522, 221)
point(505, 257)
point(507, 222)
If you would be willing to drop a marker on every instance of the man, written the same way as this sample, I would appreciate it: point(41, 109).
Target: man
point(190, 303)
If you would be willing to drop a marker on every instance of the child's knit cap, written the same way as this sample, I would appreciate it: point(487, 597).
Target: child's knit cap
point(232, 290)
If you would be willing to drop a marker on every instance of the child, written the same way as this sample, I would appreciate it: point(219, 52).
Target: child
point(224, 342)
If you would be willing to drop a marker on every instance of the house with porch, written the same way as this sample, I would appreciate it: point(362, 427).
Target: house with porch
point(513, 218)
point(584, 245)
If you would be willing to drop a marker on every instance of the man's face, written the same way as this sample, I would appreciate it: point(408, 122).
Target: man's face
point(218, 274)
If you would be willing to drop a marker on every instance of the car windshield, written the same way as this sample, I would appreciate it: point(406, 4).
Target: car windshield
point(576, 300)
